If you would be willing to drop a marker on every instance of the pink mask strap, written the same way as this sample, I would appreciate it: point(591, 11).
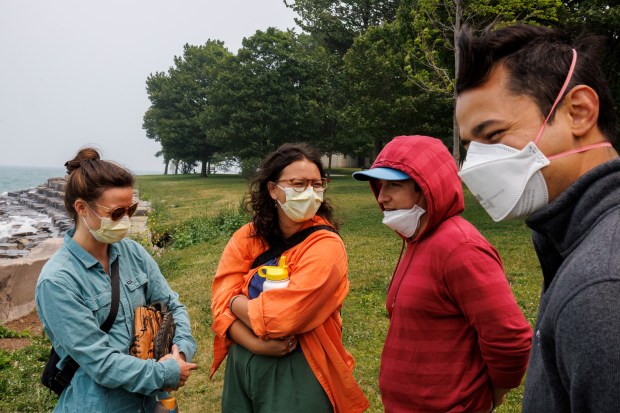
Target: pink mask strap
point(578, 150)
point(557, 100)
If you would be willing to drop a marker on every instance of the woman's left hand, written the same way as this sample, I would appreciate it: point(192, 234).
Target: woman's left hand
point(276, 347)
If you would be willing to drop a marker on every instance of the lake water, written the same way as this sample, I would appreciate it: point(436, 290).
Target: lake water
point(13, 178)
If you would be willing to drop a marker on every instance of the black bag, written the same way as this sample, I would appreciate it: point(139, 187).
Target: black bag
point(55, 379)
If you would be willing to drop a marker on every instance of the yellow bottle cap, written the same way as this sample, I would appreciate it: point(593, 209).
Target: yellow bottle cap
point(275, 273)
point(169, 403)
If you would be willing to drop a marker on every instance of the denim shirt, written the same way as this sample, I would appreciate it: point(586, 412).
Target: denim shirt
point(73, 297)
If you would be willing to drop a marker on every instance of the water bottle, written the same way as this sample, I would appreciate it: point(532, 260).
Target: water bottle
point(275, 276)
point(167, 405)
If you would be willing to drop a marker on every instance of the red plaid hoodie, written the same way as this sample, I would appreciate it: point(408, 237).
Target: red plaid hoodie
point(455, 327)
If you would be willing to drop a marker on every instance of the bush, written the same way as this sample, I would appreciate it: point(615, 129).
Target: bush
point(160, 233)
point(7, 333)
point(209, 228)
point(249, 167)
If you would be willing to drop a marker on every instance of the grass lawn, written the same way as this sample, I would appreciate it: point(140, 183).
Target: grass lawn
point(372, 249)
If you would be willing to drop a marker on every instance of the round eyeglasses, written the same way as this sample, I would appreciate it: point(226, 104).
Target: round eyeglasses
point(118, 213)
point(300, 185)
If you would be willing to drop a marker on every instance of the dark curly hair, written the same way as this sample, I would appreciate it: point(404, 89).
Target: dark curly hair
point(259, 202)
point(89, 176)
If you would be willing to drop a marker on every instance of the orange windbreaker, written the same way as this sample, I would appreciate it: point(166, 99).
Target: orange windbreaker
point(309, 307)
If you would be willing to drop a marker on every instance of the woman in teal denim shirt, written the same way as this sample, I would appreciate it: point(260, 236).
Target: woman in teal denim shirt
point(73, 297)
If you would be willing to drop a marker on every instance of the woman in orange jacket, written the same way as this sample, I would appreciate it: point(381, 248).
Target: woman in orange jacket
point(284, 346)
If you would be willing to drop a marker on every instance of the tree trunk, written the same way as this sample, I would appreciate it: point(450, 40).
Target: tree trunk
point(456, 139)
point(176, 167)
point(378, 145)
point(166, 167)
point(203, 169)
point(329, 165)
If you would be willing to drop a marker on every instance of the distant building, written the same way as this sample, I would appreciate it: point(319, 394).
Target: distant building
point(345, 161)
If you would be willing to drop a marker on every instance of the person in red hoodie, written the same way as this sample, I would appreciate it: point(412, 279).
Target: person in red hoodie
point(457, 340)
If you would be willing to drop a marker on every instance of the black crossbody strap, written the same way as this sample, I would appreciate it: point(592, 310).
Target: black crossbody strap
point(115, 280)
point(289, 243)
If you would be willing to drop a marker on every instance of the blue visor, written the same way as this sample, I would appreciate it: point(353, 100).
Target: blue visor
point(387, 174)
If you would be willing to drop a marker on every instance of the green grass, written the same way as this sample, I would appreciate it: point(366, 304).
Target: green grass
point(195, 206)
point(20, 371)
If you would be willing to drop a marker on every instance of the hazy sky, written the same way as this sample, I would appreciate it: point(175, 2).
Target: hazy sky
point(73, 72)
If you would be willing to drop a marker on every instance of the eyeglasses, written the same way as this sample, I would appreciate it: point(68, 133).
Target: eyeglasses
point(118, 213)
point(300, 185)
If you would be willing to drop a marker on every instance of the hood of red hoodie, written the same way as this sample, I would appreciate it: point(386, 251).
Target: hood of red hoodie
point(427, 161)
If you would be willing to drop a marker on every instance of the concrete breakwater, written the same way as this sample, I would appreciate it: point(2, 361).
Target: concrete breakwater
point(34, 222)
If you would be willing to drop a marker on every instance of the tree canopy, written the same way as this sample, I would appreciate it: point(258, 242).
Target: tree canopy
point(359, 73)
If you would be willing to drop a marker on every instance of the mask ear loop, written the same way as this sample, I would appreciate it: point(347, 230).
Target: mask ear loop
point(557, 100)
point(560, 95)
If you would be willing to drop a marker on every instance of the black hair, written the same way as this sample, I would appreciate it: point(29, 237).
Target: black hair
point(537, 60)
point(260, 203)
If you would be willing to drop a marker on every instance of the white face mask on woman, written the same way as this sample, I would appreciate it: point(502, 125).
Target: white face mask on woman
point(301, 206)
point(404, 221)
point(508, 182)
point(110, 231)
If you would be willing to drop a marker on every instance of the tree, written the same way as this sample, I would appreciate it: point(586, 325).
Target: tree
point(321, 93)
point(179, 116)
point(432, 58)
point(336, 23)
point(195, 76)
point(159, 119)
point(381, 103)
point(266, 92)
point(602, 18)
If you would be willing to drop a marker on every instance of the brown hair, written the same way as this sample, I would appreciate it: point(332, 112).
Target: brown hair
point(89, 176)
point(259, 202)
point(537, 60)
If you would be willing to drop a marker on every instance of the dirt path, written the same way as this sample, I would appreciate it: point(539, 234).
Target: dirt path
point(30, 323)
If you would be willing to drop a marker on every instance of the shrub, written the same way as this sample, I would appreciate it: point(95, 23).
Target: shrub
point(249, 167)
point(7, 333)
point(208, 228)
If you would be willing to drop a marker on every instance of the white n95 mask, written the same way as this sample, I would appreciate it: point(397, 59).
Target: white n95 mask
point(506, 181)
point(404, 221)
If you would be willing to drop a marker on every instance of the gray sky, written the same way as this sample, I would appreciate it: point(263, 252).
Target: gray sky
point(73, 72)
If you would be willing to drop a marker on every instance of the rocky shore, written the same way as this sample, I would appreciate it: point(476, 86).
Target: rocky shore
point(29, 217)
point(32, 224)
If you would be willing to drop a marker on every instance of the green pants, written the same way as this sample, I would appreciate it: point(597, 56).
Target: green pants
point(262, 384)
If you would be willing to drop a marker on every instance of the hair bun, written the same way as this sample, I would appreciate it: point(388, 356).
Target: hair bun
point(86, 154)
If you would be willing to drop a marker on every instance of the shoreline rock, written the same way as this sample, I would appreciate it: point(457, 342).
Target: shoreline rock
point(38, 221)
point(39, 213)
